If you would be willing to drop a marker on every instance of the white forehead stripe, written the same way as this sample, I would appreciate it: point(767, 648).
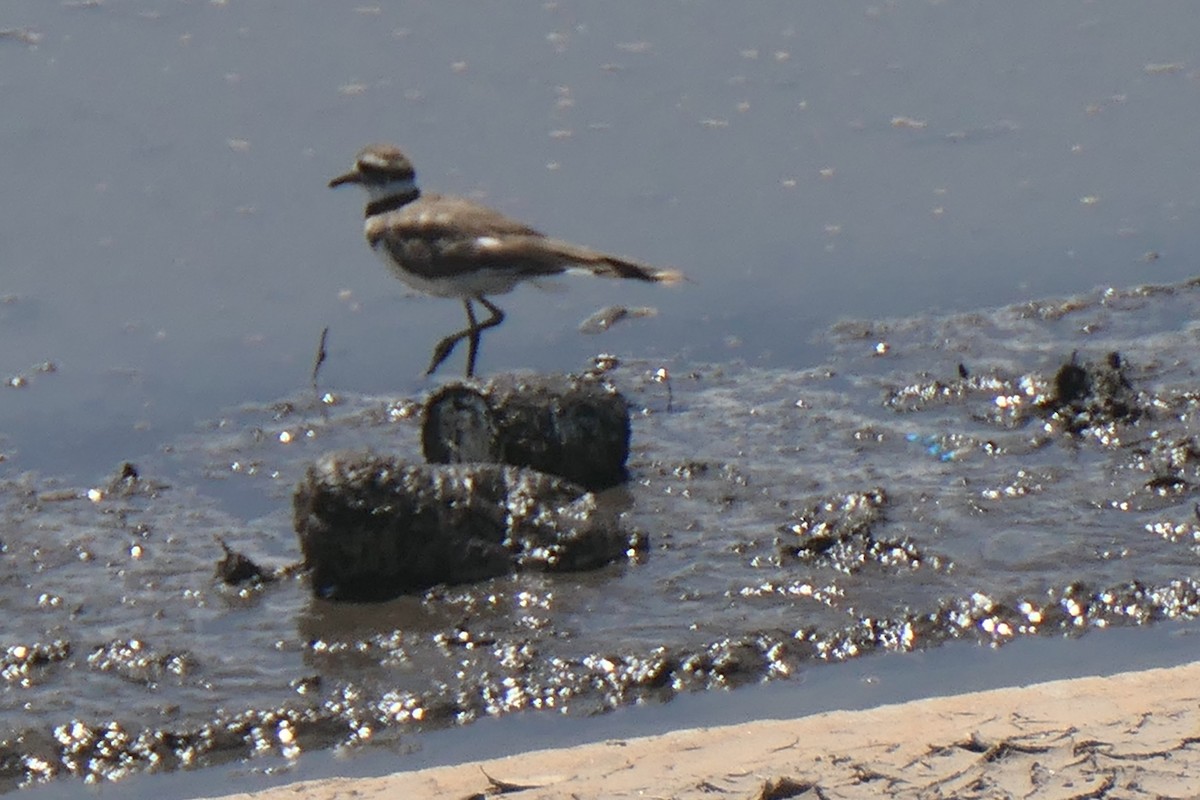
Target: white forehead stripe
point(374, 160)
point(487, 242)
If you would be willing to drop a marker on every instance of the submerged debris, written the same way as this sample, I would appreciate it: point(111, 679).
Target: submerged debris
point(21, 663)
point(136, 661)
point(608, 316)
point(125, 483)
point(1080, 396)
point(235, 568)
point(839, 532)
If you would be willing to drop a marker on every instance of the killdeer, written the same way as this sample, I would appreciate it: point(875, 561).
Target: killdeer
point(454, 247)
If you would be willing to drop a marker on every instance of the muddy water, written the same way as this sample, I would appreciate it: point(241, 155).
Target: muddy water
point(813, 490)
point(880, 502)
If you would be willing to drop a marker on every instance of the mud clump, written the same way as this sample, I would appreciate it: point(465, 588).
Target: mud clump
point(236, 568)
point(1093, 393)
point(373, 528)
point(507, 488)
point(575, 428)
point(838, 532)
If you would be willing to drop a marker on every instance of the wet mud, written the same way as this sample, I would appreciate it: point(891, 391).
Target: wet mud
point(576, 428)
point(374, 528)
point(1031, 470)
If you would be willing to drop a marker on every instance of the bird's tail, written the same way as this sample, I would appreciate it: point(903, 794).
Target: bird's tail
point(613, 267)
point(607, 266)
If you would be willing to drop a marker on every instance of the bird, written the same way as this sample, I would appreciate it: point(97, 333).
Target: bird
point(453, 247)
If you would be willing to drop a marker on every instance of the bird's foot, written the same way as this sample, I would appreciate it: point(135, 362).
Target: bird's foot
point(443, 350)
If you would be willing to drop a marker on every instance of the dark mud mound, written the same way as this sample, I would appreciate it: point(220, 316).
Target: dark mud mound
point(373, 528)
point(575, 427)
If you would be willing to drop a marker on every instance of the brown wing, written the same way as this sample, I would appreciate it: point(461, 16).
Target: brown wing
point(434, 215)
point(544, 256)
point(435, 237)
point(493, 240)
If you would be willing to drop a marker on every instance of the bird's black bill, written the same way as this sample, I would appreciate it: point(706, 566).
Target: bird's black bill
point(349, 177)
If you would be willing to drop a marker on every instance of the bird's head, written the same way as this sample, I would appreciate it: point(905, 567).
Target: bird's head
point(382, 170)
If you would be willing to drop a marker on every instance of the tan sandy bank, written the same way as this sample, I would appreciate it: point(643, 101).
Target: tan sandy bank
point(1132, 735)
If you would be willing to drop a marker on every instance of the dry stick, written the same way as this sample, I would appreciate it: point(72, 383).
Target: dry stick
point(504, 787)
point(320, 359)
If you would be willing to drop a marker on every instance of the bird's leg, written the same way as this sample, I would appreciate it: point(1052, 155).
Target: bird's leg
point(443, 350)
point(477, 330)
point(472, 333)
point(472, 340)
point(446, 346)
point(497, 315)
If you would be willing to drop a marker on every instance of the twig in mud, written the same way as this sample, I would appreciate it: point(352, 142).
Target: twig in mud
point(320, 359)
point(661, 375)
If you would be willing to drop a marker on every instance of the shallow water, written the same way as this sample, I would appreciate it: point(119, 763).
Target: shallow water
point(880, 502)
point(169, 248)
